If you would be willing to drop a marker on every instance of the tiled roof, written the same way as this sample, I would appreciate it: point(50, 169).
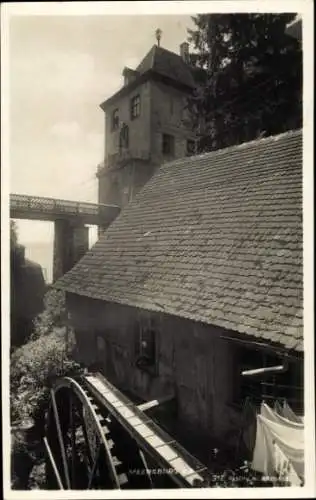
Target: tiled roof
point(167, 63)
point(215, 238)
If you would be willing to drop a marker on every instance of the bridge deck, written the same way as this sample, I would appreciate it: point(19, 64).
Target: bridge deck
point(51, 209)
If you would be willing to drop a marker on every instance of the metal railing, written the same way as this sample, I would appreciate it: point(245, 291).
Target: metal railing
point(56, 206)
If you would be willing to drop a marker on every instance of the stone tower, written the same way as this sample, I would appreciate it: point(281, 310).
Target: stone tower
point(146, 123)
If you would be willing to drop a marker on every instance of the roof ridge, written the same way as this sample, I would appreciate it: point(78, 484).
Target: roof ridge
point(235, 147)
point(171, 51)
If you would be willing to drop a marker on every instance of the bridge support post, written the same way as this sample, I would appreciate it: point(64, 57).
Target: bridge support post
point(81, 242)
point(71, 242)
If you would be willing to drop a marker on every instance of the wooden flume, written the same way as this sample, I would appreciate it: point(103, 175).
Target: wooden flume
point(96, 438)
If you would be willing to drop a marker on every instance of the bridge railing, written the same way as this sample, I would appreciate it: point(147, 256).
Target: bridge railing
point(52, 205)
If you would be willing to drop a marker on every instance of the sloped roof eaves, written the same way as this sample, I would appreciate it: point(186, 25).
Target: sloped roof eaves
point(216, 239)
point(144, 77)
point(126, 89)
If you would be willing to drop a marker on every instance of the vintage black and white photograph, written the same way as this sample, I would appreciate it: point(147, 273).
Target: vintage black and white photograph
point(157, 321)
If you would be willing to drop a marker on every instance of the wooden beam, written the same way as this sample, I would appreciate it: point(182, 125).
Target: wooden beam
point(262, 371)
point(53, 464)
point(60, 439)
point(264, 346)
point(154, 403)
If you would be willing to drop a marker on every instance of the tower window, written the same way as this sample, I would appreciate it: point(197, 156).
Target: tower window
point(168, 145)
point(190, 147)
point(135, 107)
point(115, 119)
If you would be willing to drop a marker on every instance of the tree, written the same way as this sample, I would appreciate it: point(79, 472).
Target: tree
point(249, 78)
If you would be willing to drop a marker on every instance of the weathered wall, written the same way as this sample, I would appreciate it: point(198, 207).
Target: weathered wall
point(139, 128)
point(120, 185)
point(168, 115)
point(194, 364)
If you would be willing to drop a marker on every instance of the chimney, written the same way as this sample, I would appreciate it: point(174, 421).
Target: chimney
point(184, 51)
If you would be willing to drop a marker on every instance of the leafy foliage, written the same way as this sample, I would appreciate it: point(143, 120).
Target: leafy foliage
point(54, 314)
point(36, 364)
point(249, 74)
point(34, 367)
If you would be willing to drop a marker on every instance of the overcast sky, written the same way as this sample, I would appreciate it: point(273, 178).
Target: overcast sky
point(61, 69)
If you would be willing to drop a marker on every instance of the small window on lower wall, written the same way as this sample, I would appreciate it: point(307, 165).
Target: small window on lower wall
point(146, 349)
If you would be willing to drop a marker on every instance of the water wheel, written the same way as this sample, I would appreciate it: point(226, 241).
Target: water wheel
point(85, 448)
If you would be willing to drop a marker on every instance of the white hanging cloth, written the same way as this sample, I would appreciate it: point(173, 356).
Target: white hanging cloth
point(275, 433)
point(274, 416)
point(287, 412)
point(284, 469)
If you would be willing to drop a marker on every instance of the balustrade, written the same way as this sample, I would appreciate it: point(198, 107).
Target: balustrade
point(56, 206)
